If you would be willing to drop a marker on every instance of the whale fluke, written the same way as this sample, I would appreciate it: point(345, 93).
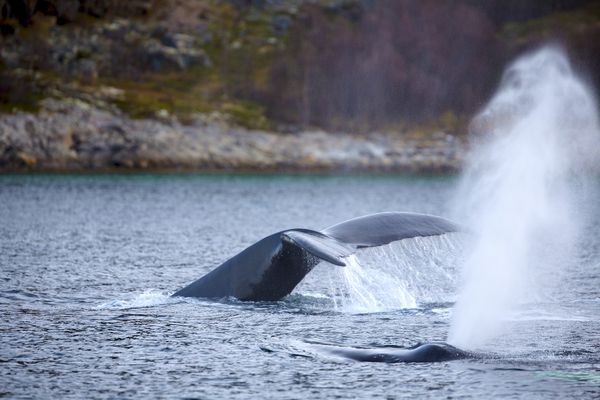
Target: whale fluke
point(386, 227)
point(321, 246)
point(272, 267)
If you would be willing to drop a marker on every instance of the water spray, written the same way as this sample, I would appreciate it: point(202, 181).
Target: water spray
point(532, 144)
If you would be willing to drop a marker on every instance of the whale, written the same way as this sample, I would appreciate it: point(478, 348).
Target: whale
point(419, 353)
point(271, 268)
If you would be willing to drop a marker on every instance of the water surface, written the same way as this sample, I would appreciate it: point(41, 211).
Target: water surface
point(88, 263)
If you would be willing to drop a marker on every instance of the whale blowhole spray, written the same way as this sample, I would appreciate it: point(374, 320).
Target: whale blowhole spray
point(521, 191)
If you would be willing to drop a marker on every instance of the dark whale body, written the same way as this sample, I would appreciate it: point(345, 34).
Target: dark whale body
point(272, 267)
point(422, 352)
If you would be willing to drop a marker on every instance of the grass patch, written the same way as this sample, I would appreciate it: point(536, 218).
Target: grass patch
point(182, 95)
point(21, 90)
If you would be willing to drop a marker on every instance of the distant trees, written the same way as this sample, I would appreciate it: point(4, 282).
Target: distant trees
point(382, 62)
point(66, 10)
point(369, 64)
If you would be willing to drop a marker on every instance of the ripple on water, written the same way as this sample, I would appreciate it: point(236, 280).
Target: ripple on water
point(85, 316)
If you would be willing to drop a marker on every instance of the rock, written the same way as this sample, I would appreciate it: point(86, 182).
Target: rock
point(27, 159)
point(75, 135)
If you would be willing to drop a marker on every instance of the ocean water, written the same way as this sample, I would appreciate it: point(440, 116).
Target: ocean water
point(88, 262)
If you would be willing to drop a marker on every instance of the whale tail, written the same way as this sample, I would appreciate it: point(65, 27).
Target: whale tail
point(386, 227)
point(271, 268)
point(339, 241)
point(322, 246)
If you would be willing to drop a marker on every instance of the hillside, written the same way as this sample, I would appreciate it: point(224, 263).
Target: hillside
point(367, 68)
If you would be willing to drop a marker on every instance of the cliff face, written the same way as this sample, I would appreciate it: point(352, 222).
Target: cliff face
point(408, 67)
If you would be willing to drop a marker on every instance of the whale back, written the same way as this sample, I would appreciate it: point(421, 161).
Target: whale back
point(422, 352)
point(383, 228)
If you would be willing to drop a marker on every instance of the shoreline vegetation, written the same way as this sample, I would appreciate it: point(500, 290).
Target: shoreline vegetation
point(305, 86)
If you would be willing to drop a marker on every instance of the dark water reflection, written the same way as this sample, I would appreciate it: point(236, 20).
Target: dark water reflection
point(88, 261)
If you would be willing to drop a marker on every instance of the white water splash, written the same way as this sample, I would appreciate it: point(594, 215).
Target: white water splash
point(400, 275)
point(149, 298)
point(521, 191)
point(364, 288)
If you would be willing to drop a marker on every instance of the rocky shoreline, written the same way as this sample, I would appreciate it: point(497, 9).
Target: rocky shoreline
point(75, 136)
